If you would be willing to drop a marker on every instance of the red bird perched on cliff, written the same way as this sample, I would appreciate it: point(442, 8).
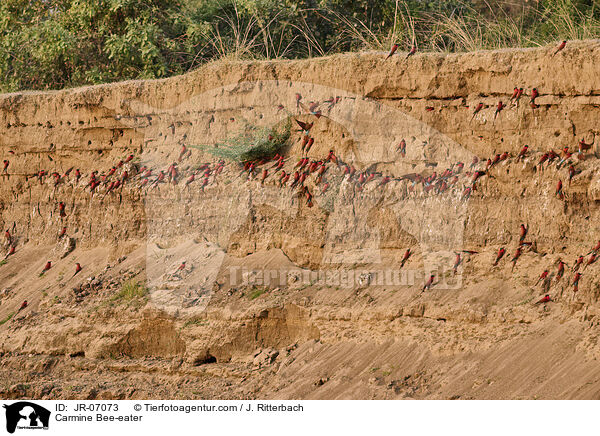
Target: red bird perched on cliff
point(429, 283)
point(545, 299)
point(331, 157)
point(62, 232)
point(523, 233)
point(474, 162)
point(514, 94)
point(310, 143)
point(190, 180)
point(402, 148)
point(412, 51)
point(11, 251)
point(47, 267)
point(477, 110)
point(543, 276)
point(129, 158)
point(576, 281)
point(298, 98)
point(499, 256)
point(467, 193)
point(78, 269)
point(534, 94)
point(498, 109)
point(560, 47)
point(518, 97)
point(561, 270)
point(392, 51)
point(559, 191)
point(7, 236)
point(6, 164)
point(182, 152)
point(457, 262)
point(61, 209)
point(407, 255)
point(516, 257)
point(23, 306)
point(590, 261)
point(522, 153)
point(577, 263)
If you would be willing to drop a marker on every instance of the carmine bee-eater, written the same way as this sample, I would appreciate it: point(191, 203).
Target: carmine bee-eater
point(47, 267)
point(62, 232)
point(331, 157)
point(559, 191)
point(402, 148)
point(590, 261)
point(429, 283)
point(182, 152)
point(522, 153)
point(519, 94)
point(576, 278)
point(543, 159)
point(129, 158)
point(305, 139)
point(514, 94)
point(311, 141)
point(78, 269)
point(412, 51)
point(577, 263)
point(23, 306)
point(560, 47)
point(6, 164)
point(467, 193)
point(498, 109)
point(499, 256)
point(61, 209)
point(305, 126)
point(516, 257)
point(477, 110)
point(522, 233)
point(298, 99)
point(190, 180)
point(407, 255)
point(11, 251)
point(545, 299)
point(392, 51)
point(561, 270)
point(457, 262)
point(543, 277)
point(534, 94)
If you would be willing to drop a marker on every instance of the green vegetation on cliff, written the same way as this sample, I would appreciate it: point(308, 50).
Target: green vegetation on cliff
point(53, 44)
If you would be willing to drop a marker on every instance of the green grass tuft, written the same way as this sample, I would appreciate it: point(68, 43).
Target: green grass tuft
point(253, 144)
point(130, 290)
point(8, 317)
point(257, 292)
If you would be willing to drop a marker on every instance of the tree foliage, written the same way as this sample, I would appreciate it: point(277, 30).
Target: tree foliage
point(52, 44)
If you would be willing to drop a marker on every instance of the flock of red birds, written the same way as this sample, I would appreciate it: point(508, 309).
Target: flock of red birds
point(278, 171)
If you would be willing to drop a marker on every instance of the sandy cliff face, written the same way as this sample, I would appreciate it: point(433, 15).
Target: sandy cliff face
point(219, 328)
